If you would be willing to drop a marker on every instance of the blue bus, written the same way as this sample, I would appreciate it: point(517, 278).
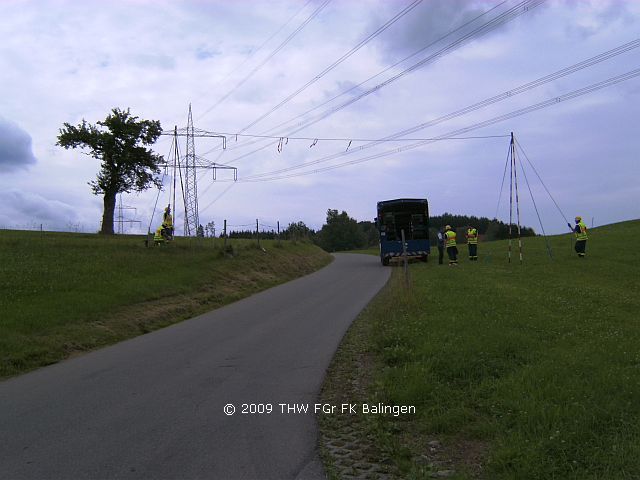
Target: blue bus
point(410, 215)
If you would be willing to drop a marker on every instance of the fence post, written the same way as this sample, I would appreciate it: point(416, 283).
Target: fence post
point(405, 261)
point(224, 234)
point(278, 232)
point(257, 232)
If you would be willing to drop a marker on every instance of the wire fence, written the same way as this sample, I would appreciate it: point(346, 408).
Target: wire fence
point(212, 229)
point(69, 227)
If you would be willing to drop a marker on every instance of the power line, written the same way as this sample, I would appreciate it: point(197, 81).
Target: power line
point(269, 57)
point(341, 139)
point(544, 234)
point(476, 106)
point(504, 175)
point(543, 184)
point(328, 112)
point(361, 44)
point(253, 52)
point(487, 27)
point(377, 74)
point(218, 197)
point(516, 113)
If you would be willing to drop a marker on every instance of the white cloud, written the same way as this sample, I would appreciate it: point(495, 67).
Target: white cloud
point(25, 209)
point(15, 147)
point(64, 61)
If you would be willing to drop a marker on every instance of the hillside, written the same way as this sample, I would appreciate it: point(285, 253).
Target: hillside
point(67, 293)
point(516, 371)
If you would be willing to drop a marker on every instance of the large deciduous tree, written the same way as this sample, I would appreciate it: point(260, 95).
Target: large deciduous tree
point(341, 232)
point(120, 142)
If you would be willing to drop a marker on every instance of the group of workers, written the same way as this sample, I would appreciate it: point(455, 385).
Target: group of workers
point(447, 240)
point(164, 233)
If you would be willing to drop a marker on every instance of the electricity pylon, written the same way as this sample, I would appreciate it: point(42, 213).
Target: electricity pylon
point(191, 220)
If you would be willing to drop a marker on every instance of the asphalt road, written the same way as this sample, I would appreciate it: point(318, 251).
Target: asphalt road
point(152, 406)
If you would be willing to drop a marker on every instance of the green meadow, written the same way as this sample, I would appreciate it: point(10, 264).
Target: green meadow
point(517, 371)
point(62, 294)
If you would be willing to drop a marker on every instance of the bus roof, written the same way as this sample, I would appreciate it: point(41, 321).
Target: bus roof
point(401, 201)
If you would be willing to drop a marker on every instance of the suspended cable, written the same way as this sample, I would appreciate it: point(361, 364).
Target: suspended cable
point(511, 154)
point(490, 25)
point(345, 92)
point(544, 234)
point(253, 52)
point(349, 139)
point(515, 181)
point(361, 44)
point(155, 205)
point(269, 57)
point(516, 113)
point(543, 184)
point(219, 196)
point(504, 95)
point(504, 174)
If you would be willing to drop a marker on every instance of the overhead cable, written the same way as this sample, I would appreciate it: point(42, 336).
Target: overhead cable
point(486, 102)
point(218, 197)
point(504, 175)
point(512, 13)
point(544, 234)
point(543, 184)
point(269, 57)
point(516, 113)
point(357, 47)
point(253, 52)
point(345, 92)
point(343, 139)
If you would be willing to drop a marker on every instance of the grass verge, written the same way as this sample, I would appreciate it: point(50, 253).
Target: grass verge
point(68, 293)
point(517, 371)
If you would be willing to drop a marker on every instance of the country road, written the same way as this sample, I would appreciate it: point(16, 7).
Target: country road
point(153, 406)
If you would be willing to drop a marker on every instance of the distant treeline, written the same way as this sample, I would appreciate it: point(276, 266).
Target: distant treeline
point(489, 229)
point(295, 231)
point(341, 232)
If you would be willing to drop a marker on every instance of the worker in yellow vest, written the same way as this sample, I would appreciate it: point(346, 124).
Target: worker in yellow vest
point(450, 244)
point(158, 238)
point(167, 224)
point(472, 243)
point(581, 236)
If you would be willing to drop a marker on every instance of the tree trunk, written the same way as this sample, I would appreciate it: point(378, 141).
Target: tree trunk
point(107, 215)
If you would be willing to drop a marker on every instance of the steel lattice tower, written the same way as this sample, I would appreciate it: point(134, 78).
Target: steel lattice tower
point(191, 220)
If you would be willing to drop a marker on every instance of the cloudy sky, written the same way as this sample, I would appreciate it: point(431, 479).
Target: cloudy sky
point(344, 72)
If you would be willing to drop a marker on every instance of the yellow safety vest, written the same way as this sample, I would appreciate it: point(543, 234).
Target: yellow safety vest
point(450, 238)
point(582, 234)
point(167, 221)
point(472, 236)
point(158, 238)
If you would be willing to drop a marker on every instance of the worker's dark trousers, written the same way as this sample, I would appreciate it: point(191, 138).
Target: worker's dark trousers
point(440, 254)
point(453, 255)
point(581, 247)
point(473, 251)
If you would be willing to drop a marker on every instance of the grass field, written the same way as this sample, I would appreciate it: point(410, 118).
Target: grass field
point(517, 371)
point(66, 293)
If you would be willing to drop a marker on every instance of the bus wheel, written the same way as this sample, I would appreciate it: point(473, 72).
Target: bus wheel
point(385, 261)
point(425, 258)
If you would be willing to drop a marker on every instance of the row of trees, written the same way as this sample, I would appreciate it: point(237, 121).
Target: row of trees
point(492, 229)
point(341, 232)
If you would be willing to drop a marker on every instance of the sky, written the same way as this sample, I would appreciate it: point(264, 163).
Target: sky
point(344, 73)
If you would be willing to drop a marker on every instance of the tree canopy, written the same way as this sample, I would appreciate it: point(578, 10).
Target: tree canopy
point(341, 232)
point(120, 143)
point(491, 229)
